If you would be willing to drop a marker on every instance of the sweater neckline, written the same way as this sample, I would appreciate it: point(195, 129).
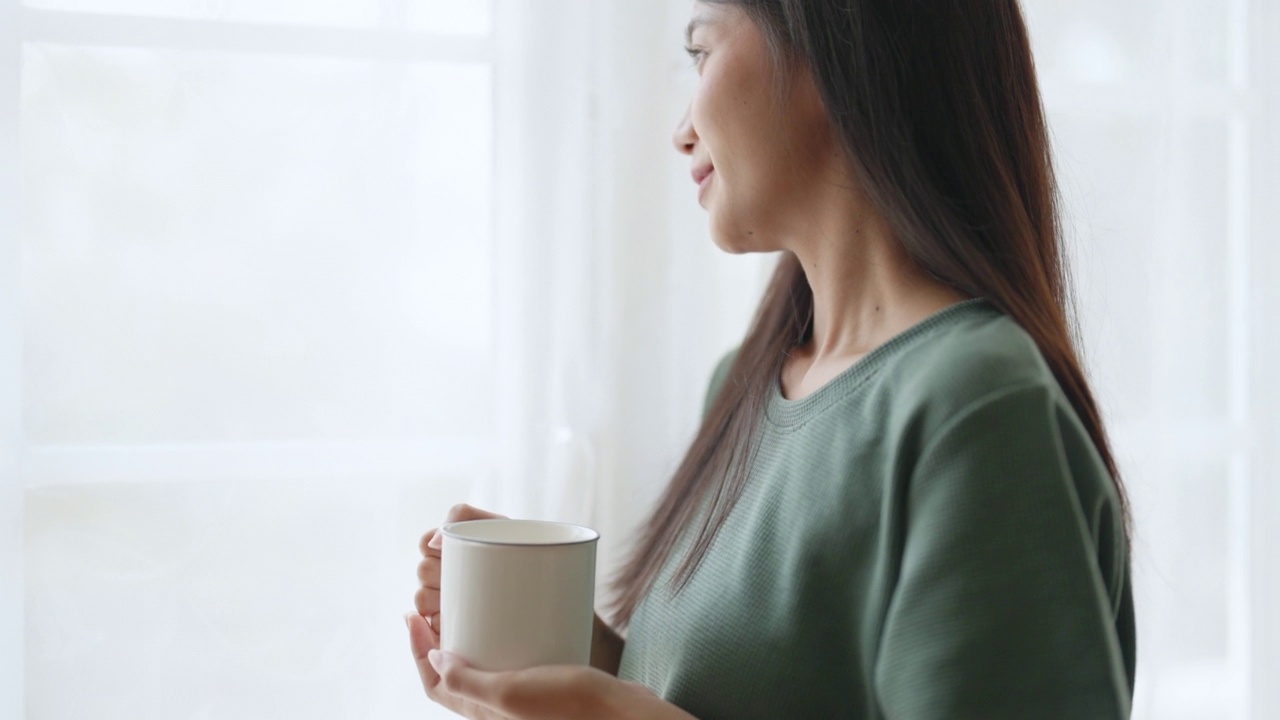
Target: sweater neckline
point(787, 414)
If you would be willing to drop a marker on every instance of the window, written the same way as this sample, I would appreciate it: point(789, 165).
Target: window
point(258, 329)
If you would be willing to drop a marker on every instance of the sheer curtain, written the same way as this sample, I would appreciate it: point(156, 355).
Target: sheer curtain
point(281, 281)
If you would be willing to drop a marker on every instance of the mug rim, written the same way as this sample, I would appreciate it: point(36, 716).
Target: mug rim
point(447, 531)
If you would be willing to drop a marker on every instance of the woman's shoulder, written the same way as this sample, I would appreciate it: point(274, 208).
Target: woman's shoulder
point(976, 357)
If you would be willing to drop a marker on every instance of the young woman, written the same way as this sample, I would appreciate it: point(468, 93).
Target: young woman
point(901, 502)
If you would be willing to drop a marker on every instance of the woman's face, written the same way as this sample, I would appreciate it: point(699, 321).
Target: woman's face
point(763, 160)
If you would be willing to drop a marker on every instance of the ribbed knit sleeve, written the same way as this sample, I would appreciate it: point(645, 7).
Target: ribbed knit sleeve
point(1001, 608)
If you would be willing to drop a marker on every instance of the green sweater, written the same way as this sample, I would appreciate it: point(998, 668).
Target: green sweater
point(929, 535)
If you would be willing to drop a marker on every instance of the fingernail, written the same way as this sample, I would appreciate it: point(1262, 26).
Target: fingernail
point(407, 617)
point(435, 658)
point(435, 542)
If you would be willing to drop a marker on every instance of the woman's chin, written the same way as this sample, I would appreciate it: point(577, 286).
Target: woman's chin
point(736, 240)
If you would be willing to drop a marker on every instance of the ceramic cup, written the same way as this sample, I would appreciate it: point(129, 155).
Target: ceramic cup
point(517, 593)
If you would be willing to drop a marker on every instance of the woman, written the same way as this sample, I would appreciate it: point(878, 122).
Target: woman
point(901, 502)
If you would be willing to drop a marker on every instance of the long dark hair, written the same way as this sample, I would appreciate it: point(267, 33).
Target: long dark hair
point(937, 107)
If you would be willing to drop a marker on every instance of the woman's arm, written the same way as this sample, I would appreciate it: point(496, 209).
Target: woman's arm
point(1014, 572)
point(606, 647)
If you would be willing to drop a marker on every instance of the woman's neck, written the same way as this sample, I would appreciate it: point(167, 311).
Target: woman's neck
point(866, 289)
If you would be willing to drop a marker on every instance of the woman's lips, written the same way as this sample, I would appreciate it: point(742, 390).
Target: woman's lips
point(703, 182)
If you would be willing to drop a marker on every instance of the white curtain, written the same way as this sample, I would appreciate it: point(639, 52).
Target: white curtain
point(281, 281)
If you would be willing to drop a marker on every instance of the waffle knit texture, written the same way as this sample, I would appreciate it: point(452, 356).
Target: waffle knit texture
point(931, 534)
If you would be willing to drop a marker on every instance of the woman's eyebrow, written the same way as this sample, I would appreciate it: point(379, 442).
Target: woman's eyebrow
point(697, 22)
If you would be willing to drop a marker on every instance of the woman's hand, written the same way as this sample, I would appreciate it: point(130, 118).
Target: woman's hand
point(560, 692)
point(427, 599)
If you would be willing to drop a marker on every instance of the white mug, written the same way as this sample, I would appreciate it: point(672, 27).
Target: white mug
point(516, 594)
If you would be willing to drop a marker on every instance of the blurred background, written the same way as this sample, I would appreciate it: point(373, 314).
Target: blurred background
point(282, 280)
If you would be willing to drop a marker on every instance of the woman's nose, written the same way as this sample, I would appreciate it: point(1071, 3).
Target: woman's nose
point(685, 138)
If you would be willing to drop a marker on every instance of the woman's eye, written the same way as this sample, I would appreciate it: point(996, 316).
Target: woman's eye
point(696, 54)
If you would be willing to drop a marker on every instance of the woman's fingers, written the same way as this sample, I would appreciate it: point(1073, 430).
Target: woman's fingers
point(425, 542)
point(429, 544)
point(458, 678)
point(640, 688)
point(424, 627)
point(427, 599)
point(458, 513)
point(462, 511)
point(427, 602)
point(420, 645)
point(429, 572)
